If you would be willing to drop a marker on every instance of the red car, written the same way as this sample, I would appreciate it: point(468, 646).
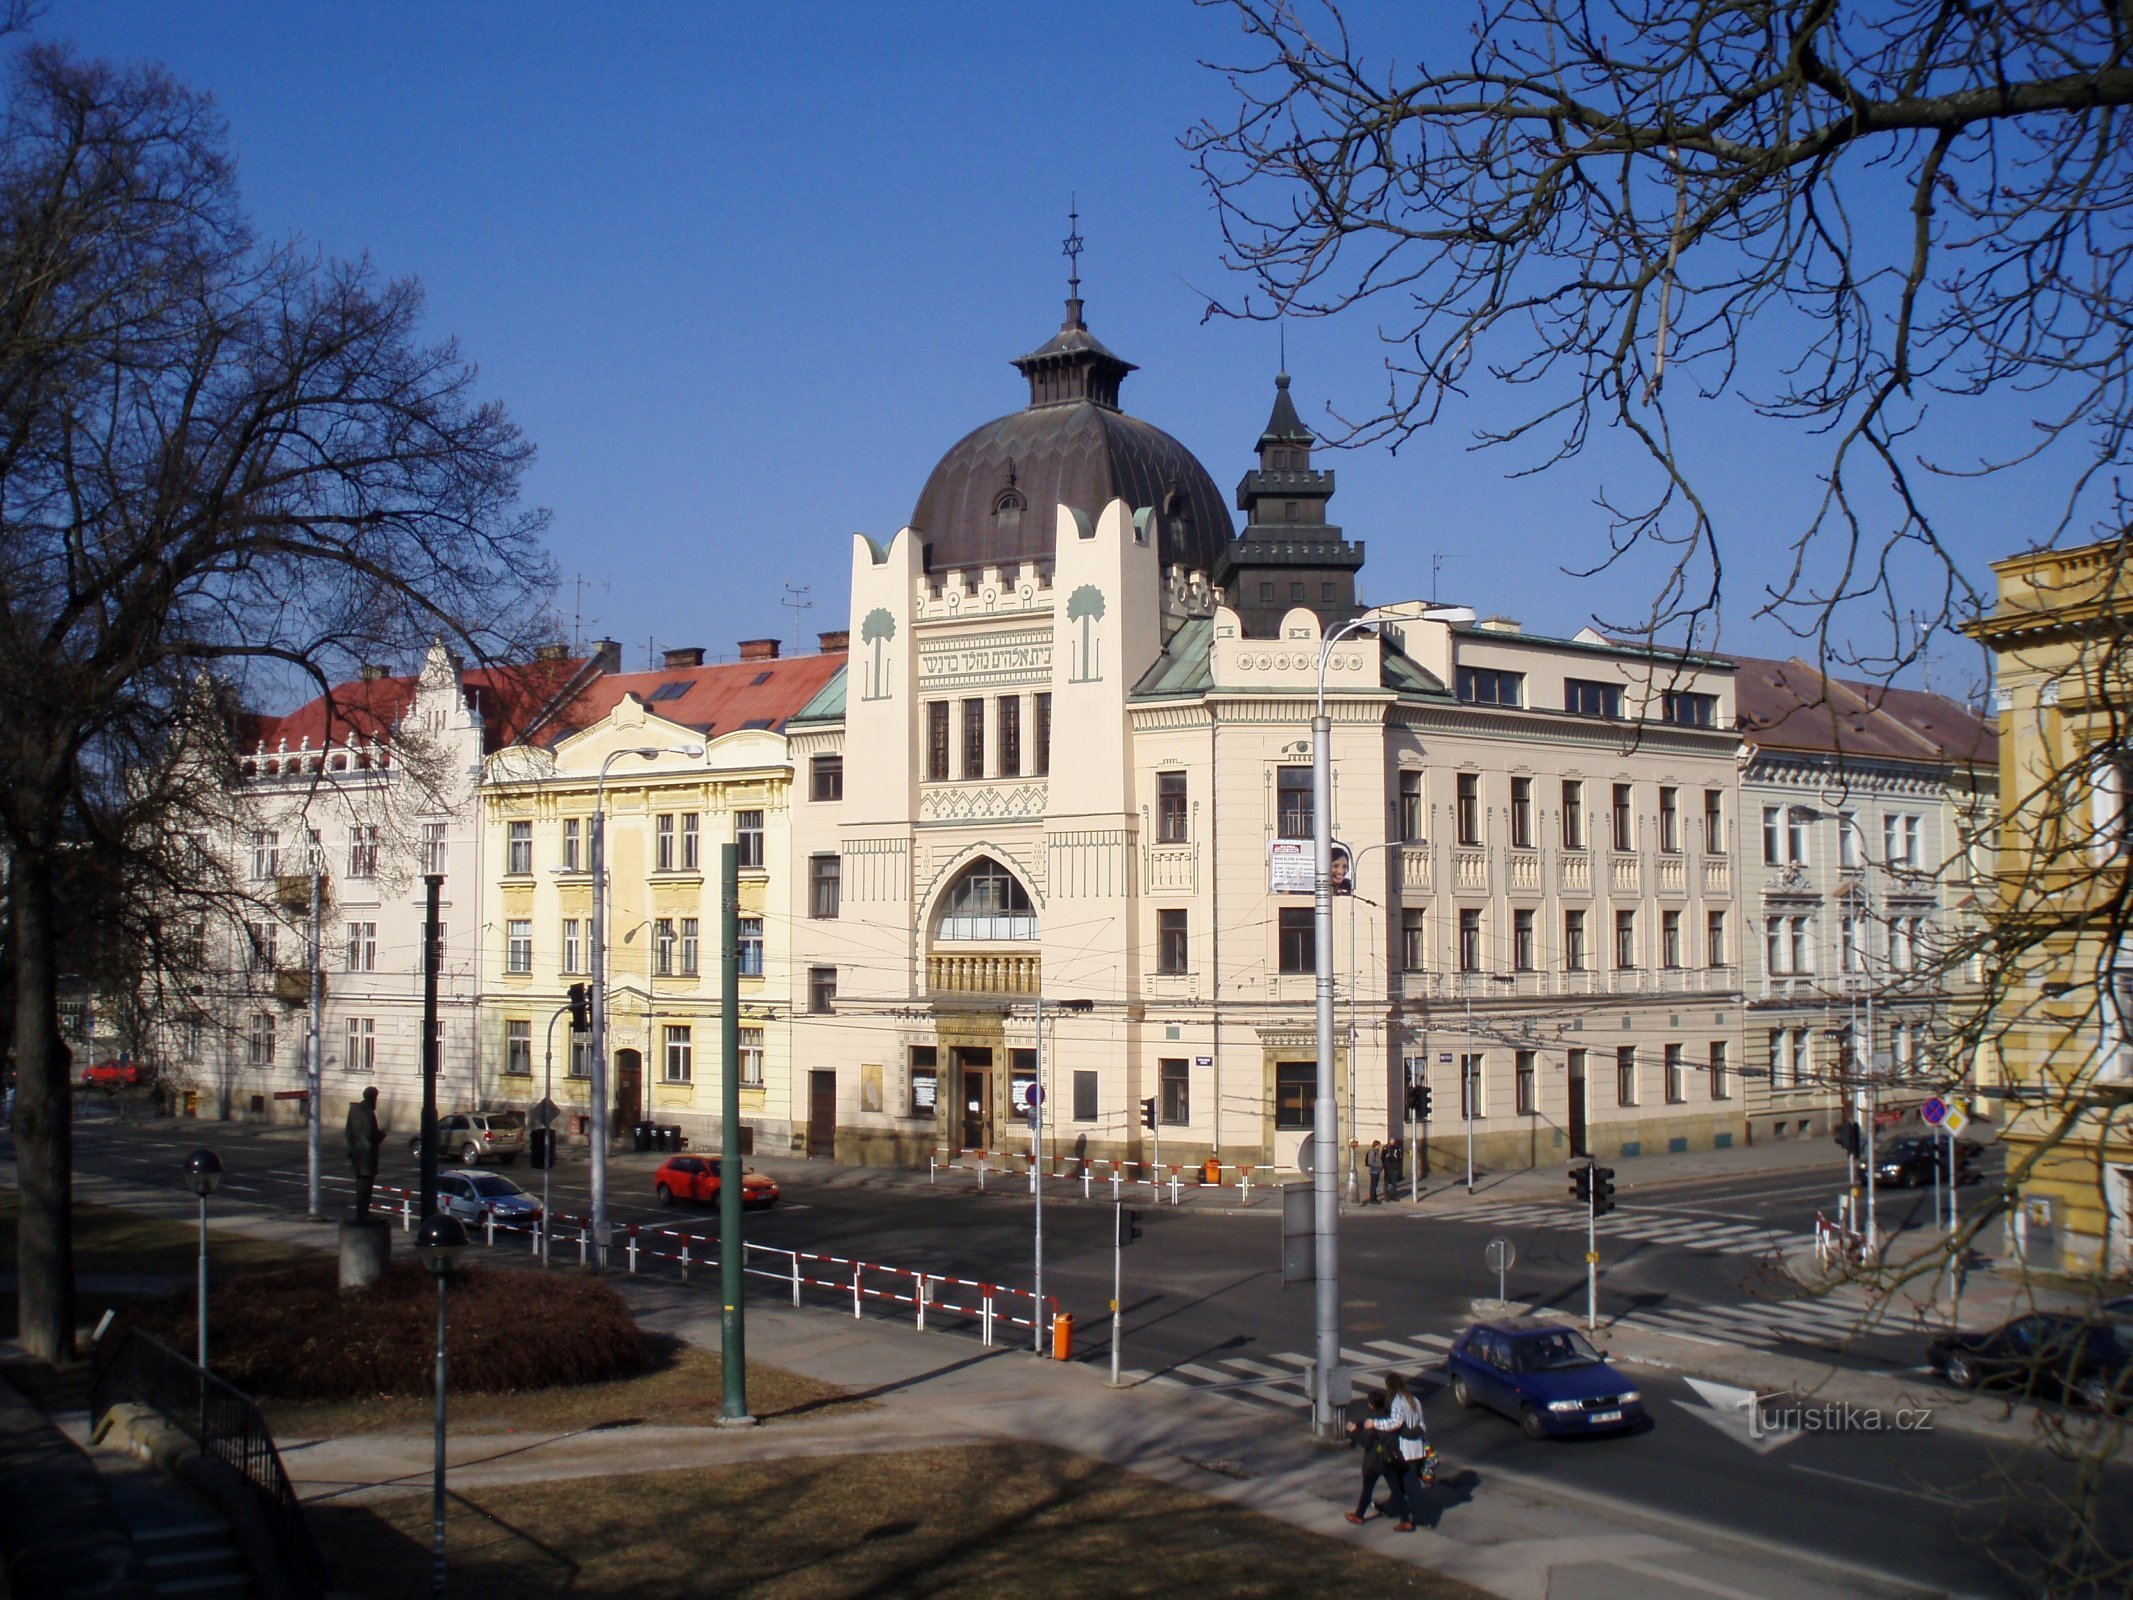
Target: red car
point(118, 1074)
point(696, 1178)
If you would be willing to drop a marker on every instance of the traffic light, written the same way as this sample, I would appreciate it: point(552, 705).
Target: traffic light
point(1129, 1226)
point(1422, 1099)
point(581, 1008)
point(1603, 1190)
point(1846, 1134)
point(1148, 1112)
point(1581, 1183)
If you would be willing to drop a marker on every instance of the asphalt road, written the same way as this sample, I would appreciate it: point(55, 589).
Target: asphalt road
point(1945, 1509)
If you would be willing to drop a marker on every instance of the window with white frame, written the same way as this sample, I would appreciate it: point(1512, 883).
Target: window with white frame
point(748, 836)
point(1473, 1089)
point(1899, 838)
point(1721, 1089)
point(1714, 938)
point(433, 847)
point(691, 941)
point(573, 948)
point(2114, 1060)
point(518, 848)
point(1849, 851)
point(581, 1056)
point(573, 844)
point(751, 947)
point(663, 947)
point(518, 1048)
point(1670, 938)
point(1796, 820)
point(260, 940)
point(1774, 943)
point(681, 1054)
point(692, 842)
point(1853, 936)
point(825, 885)
point(751, 1058)
point(360, 1054)
point(518, 944)
point(363, 850)
point(1779, 1078)
point(1522, 1074)
point(1676, 1075)
point(259, 1043)
point(1902, 949)
point(1625, 1075)
point(663, 842)
point(362, 947)
point(266, 854)
point(1802, 946)
point(821, 991)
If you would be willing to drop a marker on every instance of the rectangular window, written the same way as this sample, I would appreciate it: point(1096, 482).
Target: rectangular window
point(1900, 835)
point(519, 853)
point(1486, 686)
point(581, 1056)
point(1779, 1077)
point(1848, 851)
point(518, 1049)
point(1625, 941)
point(1625, 1075)
point(1298, 939)
point(266, 855)
point(1522, 940)
point(363, 851)
point(1676, 1076)
point(691, 944)
point(1773, 836)
point(573, 951)
point(573, 843)
point(1292, 802)
point(1174, 1109)
point(1720, 1088)
point(1802, 947)
point(825, 886)
point(663, 947)
point(751, 947)
point(1042, 707)
point(1714, 822)
point(748, 837)
point(518, 945)
point(1714, 938)
point(663, 842)
point(1295, 1094)
point(1585, 698)
point(1670, 821)
point(1085, 1096)
point(1573, 814)
point(1171, 948)
point(973, 738)
point(1796, 836)
point(692, 843)
point(1522, 1079)
point(259, 1044)
point(821, 991)
point(1774, 946)
point(751, 1057)
point(1522, 813)
point(1008, 735)
point(362, 947)
point(1470, 939)
point(1688, 710)
point(1413, 940)
point(936, 741)
point(1170, 800)
point(1852, 937)
point(825, 778)
point(1670, 939)
point(1467, 811)
point(1573, 941)
point(433, 848)
point(1473, 1089)
point(1624, 818)
point(681, 1054)
point(361, 1054)
point(925, 1081)
point(1410, 804)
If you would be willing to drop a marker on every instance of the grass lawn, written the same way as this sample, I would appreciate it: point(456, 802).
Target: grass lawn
point(967, 1523)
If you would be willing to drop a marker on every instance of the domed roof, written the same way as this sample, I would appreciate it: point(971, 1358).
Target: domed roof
point(990, 502)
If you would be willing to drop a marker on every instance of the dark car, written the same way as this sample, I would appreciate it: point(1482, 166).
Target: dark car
point(2045, 1356)
point(1544, 1375)
point(1916, 1160)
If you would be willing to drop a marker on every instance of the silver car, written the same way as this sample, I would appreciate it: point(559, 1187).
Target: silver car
point(471, 1196)
point(477, 1136)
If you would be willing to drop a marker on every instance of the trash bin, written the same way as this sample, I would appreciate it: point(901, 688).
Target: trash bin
point(1211, 1170)
point(641, 1136)
point(1063, 1336)
point(670, 1136)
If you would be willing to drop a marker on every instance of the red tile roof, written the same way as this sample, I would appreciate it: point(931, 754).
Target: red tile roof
point(509, 699)
point(712, 700)
point(1790, 705)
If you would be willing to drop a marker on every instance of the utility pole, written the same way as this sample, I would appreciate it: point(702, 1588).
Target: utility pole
point(733, 1331)
point(433, 883)
point(1036, 1185)
point(314, 1113)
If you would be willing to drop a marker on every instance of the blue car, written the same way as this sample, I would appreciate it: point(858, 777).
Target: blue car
point(1545, 1376)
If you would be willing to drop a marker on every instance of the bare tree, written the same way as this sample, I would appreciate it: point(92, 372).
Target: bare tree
point(216, 457)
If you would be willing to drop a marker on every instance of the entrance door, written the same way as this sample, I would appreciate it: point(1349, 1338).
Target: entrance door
point(629, 1088)
point(822, 1114)
point(1577, 1104)
point(974, 1084)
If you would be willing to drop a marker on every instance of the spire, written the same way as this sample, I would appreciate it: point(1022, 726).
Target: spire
point(1073, 364)
point(1071, 249)
point(1283, 425)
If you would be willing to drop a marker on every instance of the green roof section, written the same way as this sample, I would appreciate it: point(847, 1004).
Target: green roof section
point(1185, 668)
point(1621, 649)
point(827, 704)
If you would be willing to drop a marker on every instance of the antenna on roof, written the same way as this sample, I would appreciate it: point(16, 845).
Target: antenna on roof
point(1437, 558)
point(577, 615)
point(795, 598)
point(1281, 328)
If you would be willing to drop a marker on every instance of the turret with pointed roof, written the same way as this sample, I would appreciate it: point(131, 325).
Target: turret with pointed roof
point(1288, 554)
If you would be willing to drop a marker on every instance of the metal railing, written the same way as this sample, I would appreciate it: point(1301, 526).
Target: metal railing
point(224, 1422)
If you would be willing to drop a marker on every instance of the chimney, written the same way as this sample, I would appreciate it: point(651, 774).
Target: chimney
point(370, 672)
point(607, 655)
point(1500, 625)
point(686, 656)
point(834, 640)
point(759, 649)
point(552, 652)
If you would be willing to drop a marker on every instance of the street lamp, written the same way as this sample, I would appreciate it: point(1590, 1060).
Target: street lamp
point(1325, 1190)
point(1036, 1158)
point(440, 1244)
point(203, 1171)
point(600, 1226)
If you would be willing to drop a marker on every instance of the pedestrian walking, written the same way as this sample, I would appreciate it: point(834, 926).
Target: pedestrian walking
point(1379, 1451)
point(1375, 1161)
point(1405, 1441)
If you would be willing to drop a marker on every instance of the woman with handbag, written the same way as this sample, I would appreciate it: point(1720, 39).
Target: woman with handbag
point(1408, 1457)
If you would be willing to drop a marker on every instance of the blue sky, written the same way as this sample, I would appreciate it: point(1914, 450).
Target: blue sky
point(744, 274)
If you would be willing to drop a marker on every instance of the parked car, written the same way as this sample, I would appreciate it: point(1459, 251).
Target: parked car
point(119, 1073)
point(697, 1178)
point(1546, 1376)
point(471, 1196)
point(477, 1136)
point(2045, 1355)
point(1914, 1160)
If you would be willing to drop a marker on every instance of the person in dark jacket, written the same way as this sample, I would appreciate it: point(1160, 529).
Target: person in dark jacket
point(364, 1137)
point(1380, 1451)
point(1375, 1161)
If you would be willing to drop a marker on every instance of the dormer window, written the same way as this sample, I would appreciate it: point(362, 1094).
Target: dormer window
point(1009, 503)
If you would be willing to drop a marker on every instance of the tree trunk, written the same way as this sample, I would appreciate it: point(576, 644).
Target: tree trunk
point(44, 1125)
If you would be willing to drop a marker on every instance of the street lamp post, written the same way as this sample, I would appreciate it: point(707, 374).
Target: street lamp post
point(203, 1171)
point(441, 1242)
point(314, 1113)
point(600, 1226)
point(1036, 1163)
point(1355, 876)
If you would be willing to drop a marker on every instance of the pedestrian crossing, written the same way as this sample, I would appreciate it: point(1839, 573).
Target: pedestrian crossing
point(1635, 1224)
point(1820, 1324)
point(1278, 1379)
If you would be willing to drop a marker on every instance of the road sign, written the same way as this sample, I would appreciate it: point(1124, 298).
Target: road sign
point(1501, 1253)
point(1932, 1111)
point(1033, 1095)
point(1955, 1119)
point(1203, 1061)
point(544, 1114)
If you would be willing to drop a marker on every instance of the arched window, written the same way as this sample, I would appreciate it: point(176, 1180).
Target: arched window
point(986, 902)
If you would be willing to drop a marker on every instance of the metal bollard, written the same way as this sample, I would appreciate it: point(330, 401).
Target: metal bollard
point(1173, 1185)
point(1114, 1180)
point(981, 1172)
point(1085, 1180)
point(582, 1243)
point(932, 1166)
point(488, 1229)
point(796, 1277)
point(684, 1258)
point(407, 1210)
point(1032, 1174)
point(924, 1293)
point(985, 1314)
point(1244, 1186)
point(633, 1247)
point(857, 1268)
